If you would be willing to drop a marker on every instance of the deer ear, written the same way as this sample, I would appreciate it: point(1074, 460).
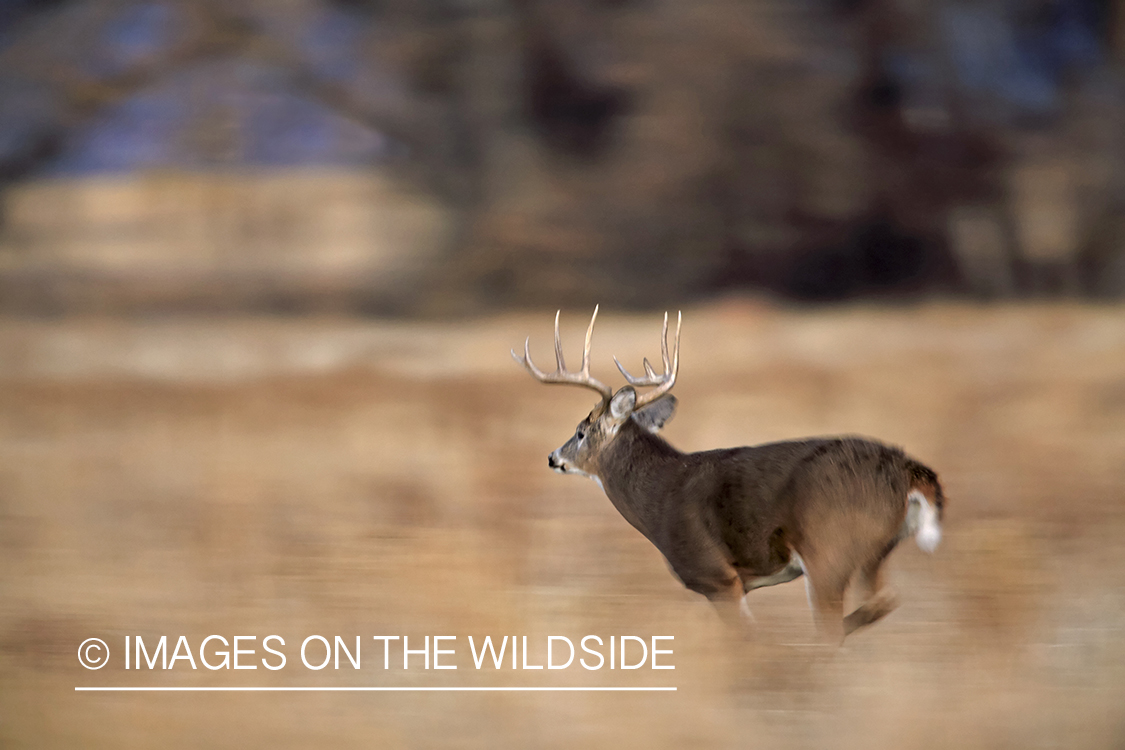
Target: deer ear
point(622, 403)
point(653, 416)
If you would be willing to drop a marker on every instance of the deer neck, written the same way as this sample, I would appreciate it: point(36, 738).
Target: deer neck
point(631, 471)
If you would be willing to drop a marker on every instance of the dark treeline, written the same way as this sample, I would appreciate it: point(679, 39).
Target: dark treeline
point(630, 149)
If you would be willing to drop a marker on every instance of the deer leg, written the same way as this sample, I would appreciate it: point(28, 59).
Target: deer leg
point(825, 587)
point(727, 600)
point(725, 594)
point(705, 569)
point(879, 599)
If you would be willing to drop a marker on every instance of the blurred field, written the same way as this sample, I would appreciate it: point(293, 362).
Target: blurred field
point(360, 478)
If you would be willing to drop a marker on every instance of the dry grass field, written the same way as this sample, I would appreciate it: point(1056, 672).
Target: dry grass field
point(340, 477)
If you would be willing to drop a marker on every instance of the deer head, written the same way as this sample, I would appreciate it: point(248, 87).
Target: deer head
point(650, 410)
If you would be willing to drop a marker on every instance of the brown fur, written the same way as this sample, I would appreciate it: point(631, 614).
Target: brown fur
point(723, 518)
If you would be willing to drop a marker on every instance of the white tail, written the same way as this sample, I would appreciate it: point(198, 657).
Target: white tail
point(732, 520)
point(922, 521)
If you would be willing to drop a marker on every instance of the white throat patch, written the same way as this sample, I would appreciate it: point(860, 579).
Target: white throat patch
point(595, 477)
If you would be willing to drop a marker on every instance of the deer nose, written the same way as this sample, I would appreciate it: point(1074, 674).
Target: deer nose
point(552, 462)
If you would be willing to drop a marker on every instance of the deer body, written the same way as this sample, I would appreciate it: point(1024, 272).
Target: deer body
point(731, 520)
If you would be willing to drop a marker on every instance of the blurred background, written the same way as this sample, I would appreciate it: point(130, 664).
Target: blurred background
point(261, 264)
point(445, 156)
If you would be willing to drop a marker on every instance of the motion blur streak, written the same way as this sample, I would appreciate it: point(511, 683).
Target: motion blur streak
point(364, 477)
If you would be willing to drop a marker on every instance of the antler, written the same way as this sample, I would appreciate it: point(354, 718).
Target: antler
point(663, 382)
point(560, 375)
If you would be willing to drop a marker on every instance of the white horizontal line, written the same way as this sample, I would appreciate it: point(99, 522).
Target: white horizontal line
point(369, 689)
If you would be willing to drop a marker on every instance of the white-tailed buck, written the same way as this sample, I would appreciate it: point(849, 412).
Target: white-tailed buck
point(732, 520)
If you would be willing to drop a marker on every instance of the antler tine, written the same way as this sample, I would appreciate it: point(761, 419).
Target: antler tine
point(561, 376)
point(662, 382)
point(525, 360)
point(651, 378)
point(560, 363)
point(664, 342)
point(586, 346)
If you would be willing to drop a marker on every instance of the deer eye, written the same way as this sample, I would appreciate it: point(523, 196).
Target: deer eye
point(580, 434)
